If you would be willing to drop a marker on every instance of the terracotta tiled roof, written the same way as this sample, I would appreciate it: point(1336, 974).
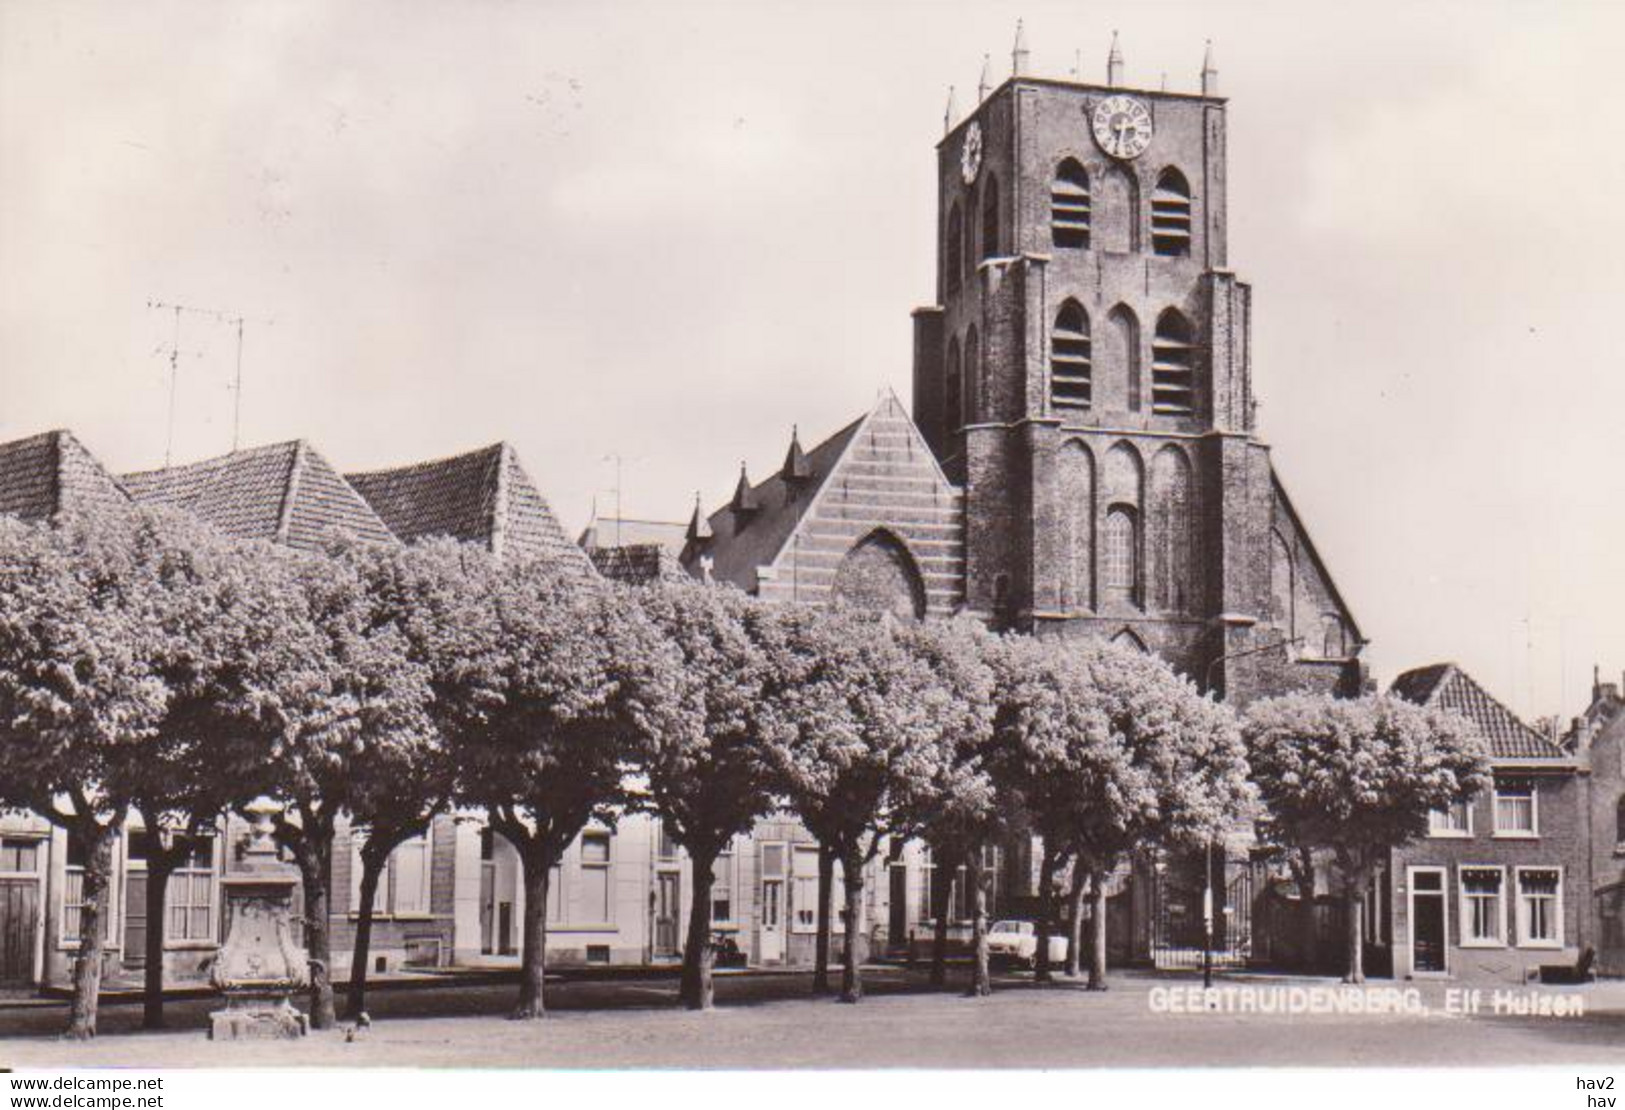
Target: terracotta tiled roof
point(285, 493)
point(46, 473)
point(1447, 686)
point(482, 497)
point(638, 564)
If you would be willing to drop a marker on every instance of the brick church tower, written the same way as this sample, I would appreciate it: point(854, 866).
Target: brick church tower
point(1085, 377)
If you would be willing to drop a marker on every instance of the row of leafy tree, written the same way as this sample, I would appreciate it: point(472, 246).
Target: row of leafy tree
point(147, 665)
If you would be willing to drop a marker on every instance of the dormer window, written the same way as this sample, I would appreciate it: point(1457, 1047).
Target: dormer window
point(1173, 357)
point(1069, 206)
point(1069, 364)
point(1171, 215)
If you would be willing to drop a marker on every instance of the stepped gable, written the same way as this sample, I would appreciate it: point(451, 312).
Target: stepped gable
point(482, 497)
point(874, 480)
point(283, 493)
point(1447, 686)
point(44, 474)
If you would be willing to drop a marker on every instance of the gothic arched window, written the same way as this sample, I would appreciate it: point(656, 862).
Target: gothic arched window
point(1333, 638)
point(1077, 497)
point(990, 217)
point(1116, 217)
point(1283, 585)
point(953, 391)
point(1119, 377)
point(1171, 215)
point(956, 260)
point(1175, 540)
point(1173, 360)
point(1069, 206)
point(1121, 563)
point(975, 405)
point(1069, 358)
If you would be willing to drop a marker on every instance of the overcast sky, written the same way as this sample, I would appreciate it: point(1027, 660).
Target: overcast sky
point(670, 231)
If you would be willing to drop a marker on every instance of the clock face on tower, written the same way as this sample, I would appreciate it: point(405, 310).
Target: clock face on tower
point(970, 156)
point(1122, 126)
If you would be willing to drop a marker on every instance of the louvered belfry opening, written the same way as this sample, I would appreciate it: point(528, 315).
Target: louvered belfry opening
point(1173, 358)
point(1070, 368)
point(1171, 215)
point(1069, 206)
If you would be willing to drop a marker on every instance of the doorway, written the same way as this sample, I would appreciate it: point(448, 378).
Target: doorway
point(668, 888)
point(1429, 938)
point(770, 943)
point(19, 921)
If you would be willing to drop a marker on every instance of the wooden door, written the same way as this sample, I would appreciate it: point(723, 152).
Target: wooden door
point(1428, 922)
point(135, 917)
point(666, 913)
point(19, 921)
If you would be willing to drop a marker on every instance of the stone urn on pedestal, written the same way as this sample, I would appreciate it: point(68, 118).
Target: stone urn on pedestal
point(259, 967)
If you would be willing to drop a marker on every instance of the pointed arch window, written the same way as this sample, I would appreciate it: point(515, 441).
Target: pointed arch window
point(1069, 206)
point(1173, 359)
point(955, 246)
point(1171, 215)
point(1070, 372)
point(1121, 563)
point(953, 391)
point(975, 404)
point(1171, 496)
point(1283, 585)
point(990, 217)
point(1333, 640)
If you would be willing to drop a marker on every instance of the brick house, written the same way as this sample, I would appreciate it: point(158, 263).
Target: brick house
point(1598, 738)
point(1499, 885)
point(451, 894)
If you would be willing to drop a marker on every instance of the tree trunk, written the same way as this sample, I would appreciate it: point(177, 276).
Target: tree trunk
point(87, 965)
point(1046, 914)
point(981, 982)
point(537, 874)
point(852, 873)
point(698, 988)
point(826, 889)
point(1356, 930)
point(160, 864)
point(372, 869)
point(1074, 923)
point(1097, 961)
point(941, 900)
point(314, 872)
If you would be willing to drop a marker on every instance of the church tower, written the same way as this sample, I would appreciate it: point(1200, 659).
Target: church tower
point(1085, 375)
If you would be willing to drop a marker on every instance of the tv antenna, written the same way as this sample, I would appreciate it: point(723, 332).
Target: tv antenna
point(174, 352)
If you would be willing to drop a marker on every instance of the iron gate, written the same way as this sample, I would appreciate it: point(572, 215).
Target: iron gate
point(1177, 939)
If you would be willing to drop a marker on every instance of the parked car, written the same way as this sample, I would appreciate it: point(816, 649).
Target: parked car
point(1017, 942)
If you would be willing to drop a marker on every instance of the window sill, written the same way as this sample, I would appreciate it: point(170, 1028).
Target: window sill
point(190, 945)
point(552, 928)
point(1542, 945)
point(1483, 944)
point(1514, 834)
point(1449, 834)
